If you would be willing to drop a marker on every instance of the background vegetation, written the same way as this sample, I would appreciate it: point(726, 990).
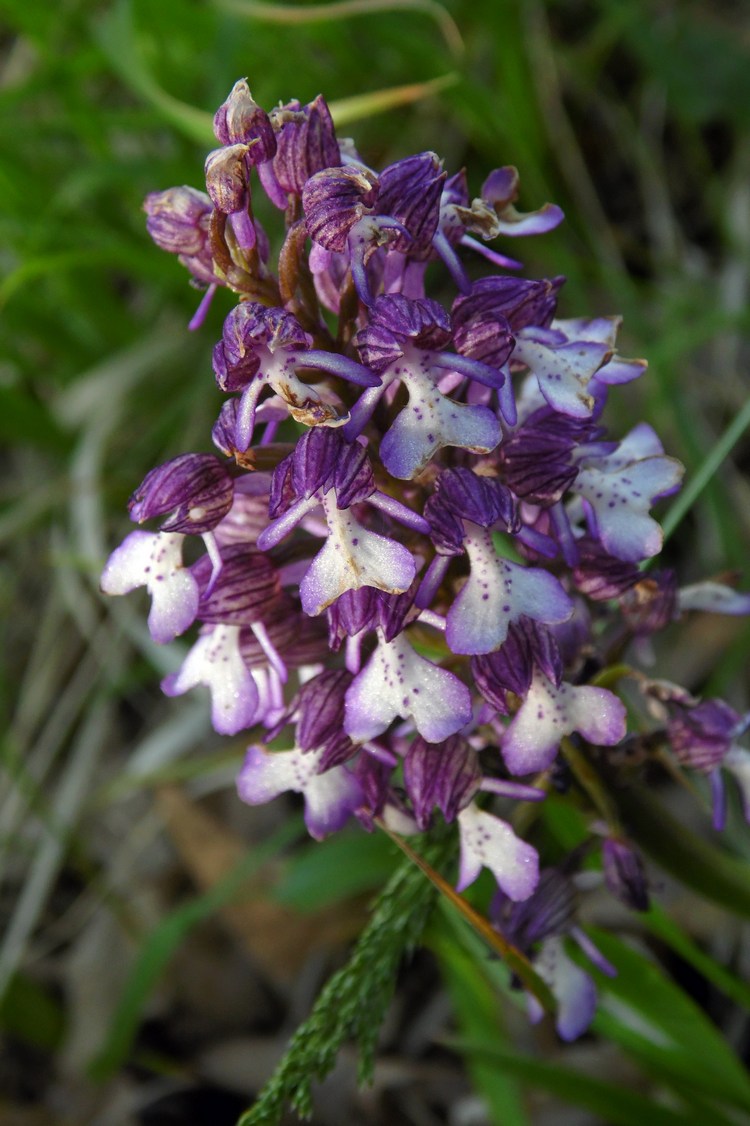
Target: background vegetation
point(153, 950)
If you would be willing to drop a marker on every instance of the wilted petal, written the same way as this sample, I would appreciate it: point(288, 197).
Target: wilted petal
point(549, 713)
point(488, 842)
point(154, 560)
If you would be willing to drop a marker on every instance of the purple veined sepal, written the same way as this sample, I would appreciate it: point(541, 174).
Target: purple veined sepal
point(215, 661)
point(619, 488)
point(510, 669)
point(240, 120)
point(305, 145)
point(443, 775)
point(489, 842)
point(331, 796)
point(154, 560)
point(397, 681)
point(624, 873)
point(550, 712)
point(194, 491)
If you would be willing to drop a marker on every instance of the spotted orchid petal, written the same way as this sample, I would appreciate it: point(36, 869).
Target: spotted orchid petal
point(353, 557)
point(497, 593)
point(619, 489)
point(549, 713)
point(563, 370)
point(216, 662)
point(398, 682)
point(330, 797)
point(154, 560)
point(488, 842)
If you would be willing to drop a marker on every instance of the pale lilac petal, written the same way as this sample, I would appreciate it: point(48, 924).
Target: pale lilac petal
point(571, 987)
point(517, 223)
point(488, 842)
point(431, 421)
point(564, 372)
point(398, 682)
point(497, 593)
point(216, 662)
point(548, 714)
point(620, 497)
point(330, 798)
point(714, 598)
point(353, 557)
point(154, 560)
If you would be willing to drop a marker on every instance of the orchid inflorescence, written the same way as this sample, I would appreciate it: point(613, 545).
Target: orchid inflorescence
point(422, 549)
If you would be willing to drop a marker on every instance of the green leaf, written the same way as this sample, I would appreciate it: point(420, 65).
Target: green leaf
point(615, 1105)
point(476, 998)
point(660, 924)
point(653, 1019)
point(693, 861)
point(118, 39)
point(344, 864)
point(28, 1012)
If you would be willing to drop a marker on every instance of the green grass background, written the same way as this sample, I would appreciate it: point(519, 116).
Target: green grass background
point(633, 116)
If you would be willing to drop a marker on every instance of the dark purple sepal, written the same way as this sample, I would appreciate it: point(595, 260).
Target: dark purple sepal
point(485, 337)
point(334, 200)
point(305, 143)
point(244, 592)
point(550, 910)
point(374, 778)
point(510, 668)
point(195, 488)
point(625, 874)
point(519, 301)
point(351, 613)
point(314, 461)
point(483, 500)
point(601, 576)
point(444, 775)
point(282, 494)
point(353, 478)
point(250, 329)
point(320, 705)
point(702, 735)
point(395, 320)
point(396, 610)
point(240, 120)
point(537, 457)
point(410, 192)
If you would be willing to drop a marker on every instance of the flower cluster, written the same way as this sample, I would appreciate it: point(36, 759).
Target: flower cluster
point(422, 548)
